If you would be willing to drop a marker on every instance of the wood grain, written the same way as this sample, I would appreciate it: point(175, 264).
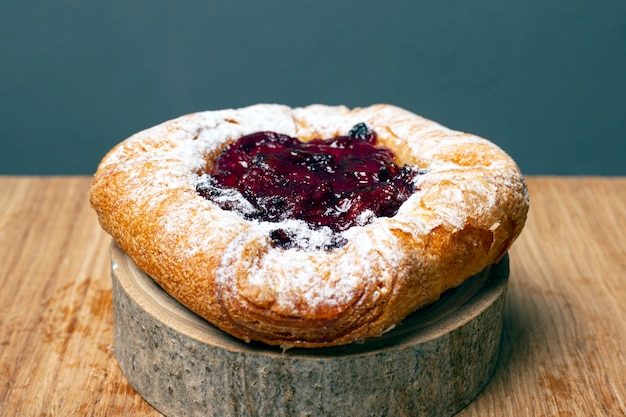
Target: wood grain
point(56, 317)
point(182, 365)
point(563, 350)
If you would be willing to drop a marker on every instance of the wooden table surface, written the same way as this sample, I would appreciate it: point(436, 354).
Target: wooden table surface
point(564, 338)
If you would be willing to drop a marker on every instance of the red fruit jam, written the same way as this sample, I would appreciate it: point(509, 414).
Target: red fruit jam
point(338, 182)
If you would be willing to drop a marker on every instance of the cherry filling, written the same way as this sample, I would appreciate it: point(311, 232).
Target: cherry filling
point(335, 183)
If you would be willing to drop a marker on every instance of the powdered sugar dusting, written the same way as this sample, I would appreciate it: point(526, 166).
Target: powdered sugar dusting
point(163, 165)
point(298, 282)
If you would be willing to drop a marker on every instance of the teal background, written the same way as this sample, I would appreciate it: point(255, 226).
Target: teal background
point(545, 80)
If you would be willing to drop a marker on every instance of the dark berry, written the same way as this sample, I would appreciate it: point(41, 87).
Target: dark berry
point(280, 237)
point(362, 131)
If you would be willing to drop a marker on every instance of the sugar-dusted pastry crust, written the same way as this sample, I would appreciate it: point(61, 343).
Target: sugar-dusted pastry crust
point(468, 209)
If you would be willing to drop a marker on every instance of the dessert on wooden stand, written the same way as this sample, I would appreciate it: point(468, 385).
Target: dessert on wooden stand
point(317, 230)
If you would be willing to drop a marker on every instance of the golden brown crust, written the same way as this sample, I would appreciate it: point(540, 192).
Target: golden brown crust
point(468, 210)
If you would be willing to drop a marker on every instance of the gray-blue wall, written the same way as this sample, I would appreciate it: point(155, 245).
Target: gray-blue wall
point(543, 79)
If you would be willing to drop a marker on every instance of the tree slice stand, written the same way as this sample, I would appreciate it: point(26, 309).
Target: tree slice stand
point(433, 364)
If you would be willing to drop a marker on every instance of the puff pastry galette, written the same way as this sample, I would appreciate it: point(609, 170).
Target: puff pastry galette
point(313, 226)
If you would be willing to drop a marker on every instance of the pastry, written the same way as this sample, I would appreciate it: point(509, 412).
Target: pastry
point(319, 264)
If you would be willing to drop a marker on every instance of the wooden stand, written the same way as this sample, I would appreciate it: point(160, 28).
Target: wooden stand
point(433, 364)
